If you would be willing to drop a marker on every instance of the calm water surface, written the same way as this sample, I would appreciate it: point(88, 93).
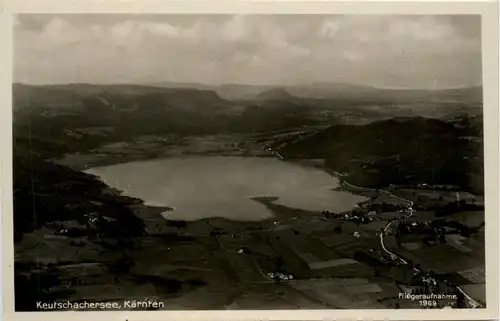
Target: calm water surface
point(212, 186)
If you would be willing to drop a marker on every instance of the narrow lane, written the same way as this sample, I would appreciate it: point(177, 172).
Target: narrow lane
point(475, 304)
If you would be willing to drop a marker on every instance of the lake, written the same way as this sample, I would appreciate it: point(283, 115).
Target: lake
point(216, 186)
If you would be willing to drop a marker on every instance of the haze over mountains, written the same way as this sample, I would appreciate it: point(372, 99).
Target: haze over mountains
point(340, 91)
point(309, 91)
point(48, 114)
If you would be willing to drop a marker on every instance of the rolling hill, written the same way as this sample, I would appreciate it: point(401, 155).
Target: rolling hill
point(399, 151)
point(344, 92)
point(349, 92)
point(51, 114)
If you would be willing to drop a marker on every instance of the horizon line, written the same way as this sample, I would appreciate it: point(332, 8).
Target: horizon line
point(157, 84)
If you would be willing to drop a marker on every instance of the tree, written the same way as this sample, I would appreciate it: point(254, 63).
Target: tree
point(442, 236)
point(246, 250)
point(279, 262)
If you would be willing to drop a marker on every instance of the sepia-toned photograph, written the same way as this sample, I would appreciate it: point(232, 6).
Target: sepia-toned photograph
point(248, 162)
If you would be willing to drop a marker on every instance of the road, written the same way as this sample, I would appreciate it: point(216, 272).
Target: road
point(391, 254)
point(382, 234)
point(382, 191)
point(410, 207)
point(278, 154)
point(398, 198)
point(475, 304)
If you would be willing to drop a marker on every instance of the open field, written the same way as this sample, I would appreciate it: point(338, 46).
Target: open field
point(346, 293)
point(228, 260)
point(442, 195)
point(445, 259)
point(468, 218)
point(217, 263)
point(152, 147)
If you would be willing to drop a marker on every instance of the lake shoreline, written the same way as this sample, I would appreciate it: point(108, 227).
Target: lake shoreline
point(264, 197)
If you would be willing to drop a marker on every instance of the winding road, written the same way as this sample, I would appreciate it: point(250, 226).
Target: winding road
point(474, 303)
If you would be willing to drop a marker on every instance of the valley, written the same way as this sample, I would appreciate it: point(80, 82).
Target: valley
point(80, 238)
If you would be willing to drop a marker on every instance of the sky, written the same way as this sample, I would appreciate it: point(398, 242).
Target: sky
point(411, 51)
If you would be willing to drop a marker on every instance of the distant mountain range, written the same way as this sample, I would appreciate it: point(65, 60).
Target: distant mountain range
point(119, 97)
point(340, 92)
point(46, 116)
point(320, 91)
point(192, 108)
point(274, 94)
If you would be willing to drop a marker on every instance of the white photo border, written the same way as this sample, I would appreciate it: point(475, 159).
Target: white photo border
point(489, 13)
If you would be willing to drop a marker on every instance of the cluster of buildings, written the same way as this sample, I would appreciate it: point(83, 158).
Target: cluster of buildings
point(280, 276)
point(93, 221)
point(357, 218)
